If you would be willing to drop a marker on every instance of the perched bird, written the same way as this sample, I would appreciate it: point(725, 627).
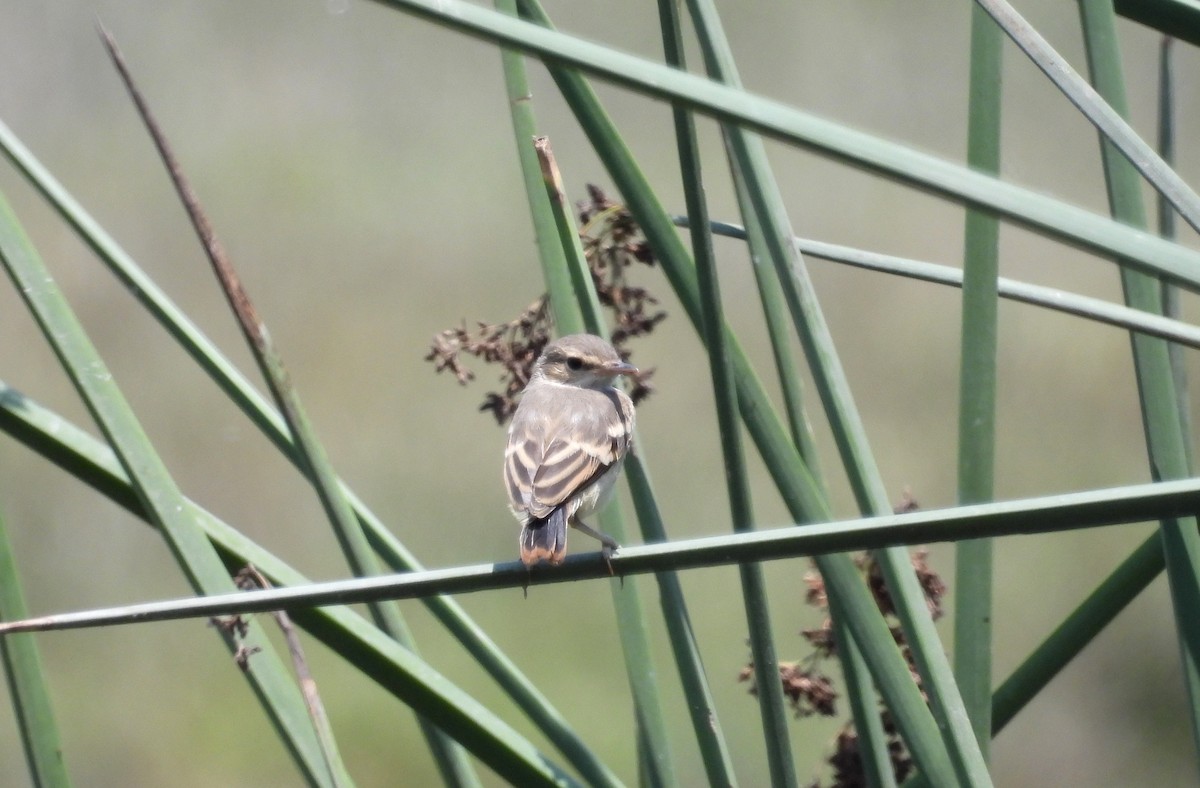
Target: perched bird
point(566, 444)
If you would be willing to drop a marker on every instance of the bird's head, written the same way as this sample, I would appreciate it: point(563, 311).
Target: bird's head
point(581, 360)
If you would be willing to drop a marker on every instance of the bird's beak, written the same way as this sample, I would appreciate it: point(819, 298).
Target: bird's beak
point(618, 368)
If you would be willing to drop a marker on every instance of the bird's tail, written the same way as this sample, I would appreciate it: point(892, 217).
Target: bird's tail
point(545, 539)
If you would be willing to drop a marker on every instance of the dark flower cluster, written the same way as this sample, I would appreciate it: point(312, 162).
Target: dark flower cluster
point(847, 762)
point(612, 242)
point(808, 691)
point(514, 346)
point(812, 692)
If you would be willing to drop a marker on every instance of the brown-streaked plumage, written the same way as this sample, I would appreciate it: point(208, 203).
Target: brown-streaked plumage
point(567, 441)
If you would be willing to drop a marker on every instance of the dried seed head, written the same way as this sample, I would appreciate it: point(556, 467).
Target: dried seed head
point(612, 241)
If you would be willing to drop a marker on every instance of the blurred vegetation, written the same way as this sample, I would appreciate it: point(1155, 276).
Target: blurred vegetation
point(359, 168)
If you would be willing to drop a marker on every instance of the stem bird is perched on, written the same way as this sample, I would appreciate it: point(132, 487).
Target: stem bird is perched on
point(566, 444)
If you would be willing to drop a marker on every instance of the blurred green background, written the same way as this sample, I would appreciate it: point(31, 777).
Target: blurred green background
point(359, 167)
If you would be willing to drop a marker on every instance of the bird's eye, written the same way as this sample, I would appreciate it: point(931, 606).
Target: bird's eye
point(575, 363)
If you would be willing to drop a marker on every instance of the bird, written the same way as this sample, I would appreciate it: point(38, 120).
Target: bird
point(566, 444)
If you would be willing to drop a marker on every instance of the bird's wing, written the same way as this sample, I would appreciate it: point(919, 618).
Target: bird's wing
point(548, 461)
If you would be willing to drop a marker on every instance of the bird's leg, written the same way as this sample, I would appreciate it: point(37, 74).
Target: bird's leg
point(609, 544)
